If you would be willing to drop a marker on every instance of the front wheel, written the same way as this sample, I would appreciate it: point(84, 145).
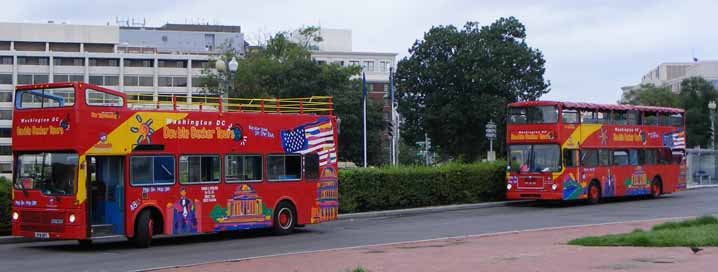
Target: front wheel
point(84, 242)
point(594, 194)
point(143, 230)
point(285, 219)
point(656, 189)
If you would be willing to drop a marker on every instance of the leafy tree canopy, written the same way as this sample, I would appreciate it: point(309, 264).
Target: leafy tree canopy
point(456, 80)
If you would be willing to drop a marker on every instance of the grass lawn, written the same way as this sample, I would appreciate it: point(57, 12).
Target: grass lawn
point(701, 231)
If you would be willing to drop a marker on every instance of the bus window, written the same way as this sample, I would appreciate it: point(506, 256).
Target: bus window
point(97, 98)
point(589, 158)
point(45, 98)
point(311, 166)
point(569, 116)
point(199, 169)
point(633, 156)
point(588, 117)
point(633, 118)
point(676, 120)
point(152, 170)
point(570, 158)
point(517, 116)
point(284, 167)
point(603, 117)
point(677, 157)
point(664, 156)
point(519, 155)
point(620, 117)
point(620, 157)
point(664, 119)
point(242, 168)
point(604, 157)
point(649, 156)
point(650, 119)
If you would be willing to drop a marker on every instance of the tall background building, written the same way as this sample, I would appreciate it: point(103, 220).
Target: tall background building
point(151, 63)
point(671, 74)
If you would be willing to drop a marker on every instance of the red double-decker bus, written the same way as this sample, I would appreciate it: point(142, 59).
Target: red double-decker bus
point(88, 163)
point(570, 151)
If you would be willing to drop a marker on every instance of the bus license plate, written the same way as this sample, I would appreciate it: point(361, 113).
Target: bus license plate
point(43, 235)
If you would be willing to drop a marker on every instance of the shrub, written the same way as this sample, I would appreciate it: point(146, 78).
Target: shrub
point(401, 187)
point(5, 207)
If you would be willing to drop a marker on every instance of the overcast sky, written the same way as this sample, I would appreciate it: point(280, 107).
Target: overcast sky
point(592, 48)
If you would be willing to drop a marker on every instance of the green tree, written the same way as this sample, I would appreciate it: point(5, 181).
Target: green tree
point(650, 95)
point(694, 96)
point(455, 81)
point(284, 69)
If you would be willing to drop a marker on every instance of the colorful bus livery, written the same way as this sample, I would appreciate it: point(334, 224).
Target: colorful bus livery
point(570, 151)
point(89, 163)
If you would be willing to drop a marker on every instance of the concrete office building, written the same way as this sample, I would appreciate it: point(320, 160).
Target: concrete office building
point(672, 73)
point(144, 62)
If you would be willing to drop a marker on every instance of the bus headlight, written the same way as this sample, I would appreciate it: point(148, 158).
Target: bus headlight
point(15, 216)
point(554, 187)
point(71, 218)
point(508, 187)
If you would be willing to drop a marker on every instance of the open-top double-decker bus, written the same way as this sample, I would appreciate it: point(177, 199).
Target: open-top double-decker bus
point(569, 151)
point(88, 163)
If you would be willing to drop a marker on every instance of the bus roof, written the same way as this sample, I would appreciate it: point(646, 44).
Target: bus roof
point(582, 105)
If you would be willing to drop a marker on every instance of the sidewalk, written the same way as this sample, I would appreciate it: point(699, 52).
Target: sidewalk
point(539, 250)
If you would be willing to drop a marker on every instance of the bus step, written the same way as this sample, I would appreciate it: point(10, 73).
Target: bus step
point(102, 230)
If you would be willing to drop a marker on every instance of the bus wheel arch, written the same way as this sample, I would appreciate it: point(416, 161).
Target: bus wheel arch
point(593, 193)
point(284, 217)
point(156, 216)
point(656, 186)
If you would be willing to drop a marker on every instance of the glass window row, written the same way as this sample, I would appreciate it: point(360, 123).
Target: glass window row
point(147, 170)
point(619, 157)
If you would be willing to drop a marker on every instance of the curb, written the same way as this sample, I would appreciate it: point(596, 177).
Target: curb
point(433, 209)
point(696, 187)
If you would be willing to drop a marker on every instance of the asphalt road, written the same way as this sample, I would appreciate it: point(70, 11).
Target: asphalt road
point(118, 255)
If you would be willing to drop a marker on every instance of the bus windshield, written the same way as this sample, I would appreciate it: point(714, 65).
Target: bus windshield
point(533, 115)
point(45, 98)
point(51, 173)
point(535, 158)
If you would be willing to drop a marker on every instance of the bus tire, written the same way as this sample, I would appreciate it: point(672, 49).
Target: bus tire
point(285, 218)
point(593, 193)
point(143, 230)
point(656, 188)
point(84, 243)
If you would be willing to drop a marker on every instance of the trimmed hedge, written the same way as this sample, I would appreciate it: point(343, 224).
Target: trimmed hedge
point(5, 207)
point(372, 189)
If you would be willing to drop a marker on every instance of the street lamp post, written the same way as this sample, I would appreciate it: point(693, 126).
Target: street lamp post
point(221, 66)
point(712, 110)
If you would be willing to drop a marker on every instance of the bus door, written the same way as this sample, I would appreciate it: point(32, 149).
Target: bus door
point(107, 191)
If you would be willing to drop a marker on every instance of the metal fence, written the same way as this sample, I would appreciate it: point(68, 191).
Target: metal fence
point(702, 166)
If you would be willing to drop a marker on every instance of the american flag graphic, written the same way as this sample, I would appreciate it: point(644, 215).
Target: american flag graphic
point(317, 137)
point(675, 140)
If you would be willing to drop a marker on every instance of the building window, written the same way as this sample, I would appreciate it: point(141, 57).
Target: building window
point(97, 98)
point(148, 63)
point(242, 168)
point(112, 81)
point(6, 79)
point(196, 81)
point(284, 167)
point(353, 63)
point(5, 132)
point(179, 81)
point(104, 62)
point(311, 166)
point(143, 81)
point(5, 168)
point(383, 66)
point(164, 81)
point(368, 66)
point(69, 61)
point(5, 150)
point(6, 60)
point(5, 96)
point(172, 81)
point(97, 80)
point(200, 64)
point(172, 63)
point(32, 79)
point(33, 60)
point(5, 114)
point(199, 169)
point(152, 170)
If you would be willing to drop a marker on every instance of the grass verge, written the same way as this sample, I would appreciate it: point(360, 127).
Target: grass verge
point(701, 231)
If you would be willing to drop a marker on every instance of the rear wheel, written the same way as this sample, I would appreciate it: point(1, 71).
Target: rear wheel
point(285, 219)
point(656, 188)
point(594, 193)
point(143, 230)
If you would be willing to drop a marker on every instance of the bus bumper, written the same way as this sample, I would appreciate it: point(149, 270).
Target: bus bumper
point(534, 195)
point(49, 225)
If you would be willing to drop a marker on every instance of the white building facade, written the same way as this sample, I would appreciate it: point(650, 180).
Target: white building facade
point(671, 74)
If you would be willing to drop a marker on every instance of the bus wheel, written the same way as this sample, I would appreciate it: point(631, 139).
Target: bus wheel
point(143, 230)
point(594, 193)
point(284, 219)
point(84, 242)
point(656, 188)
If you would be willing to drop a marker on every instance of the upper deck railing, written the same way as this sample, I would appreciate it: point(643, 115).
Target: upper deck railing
point(307, 105)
